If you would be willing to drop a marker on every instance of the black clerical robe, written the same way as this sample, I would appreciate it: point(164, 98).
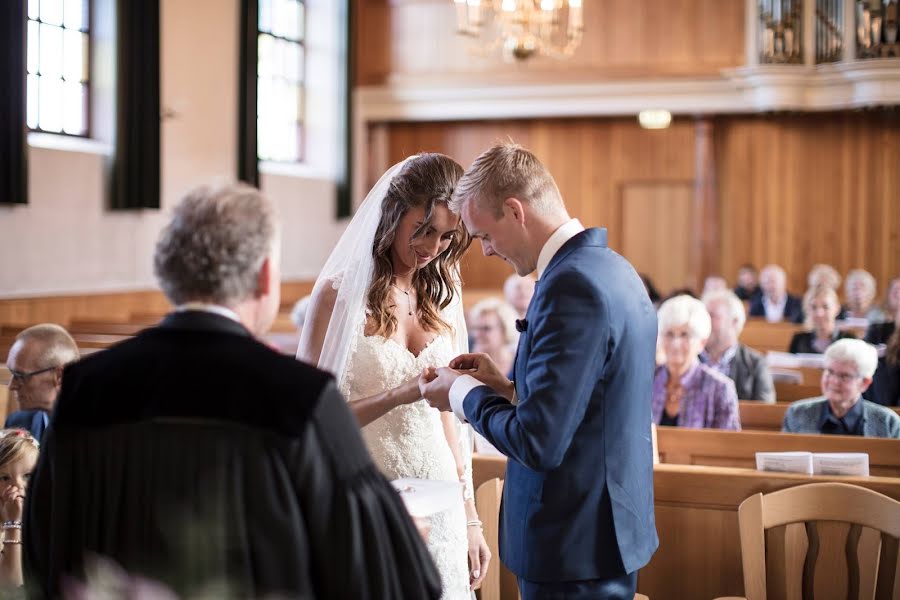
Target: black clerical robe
point(197, 457)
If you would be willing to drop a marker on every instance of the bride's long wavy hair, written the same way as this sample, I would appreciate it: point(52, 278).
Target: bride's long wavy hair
point(424, 181)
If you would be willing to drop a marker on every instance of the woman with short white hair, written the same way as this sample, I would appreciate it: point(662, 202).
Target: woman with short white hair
point(859, 291)
point(687, 393)
point(849, 367)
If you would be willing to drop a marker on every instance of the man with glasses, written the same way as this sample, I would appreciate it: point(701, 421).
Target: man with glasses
point(36, 362)
point(849, 366)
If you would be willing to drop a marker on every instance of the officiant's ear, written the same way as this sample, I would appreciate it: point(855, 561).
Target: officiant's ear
point(264, 278)
point(513, 207)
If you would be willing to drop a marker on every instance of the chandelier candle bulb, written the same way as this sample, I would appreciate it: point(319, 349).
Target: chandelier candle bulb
point(654, 119)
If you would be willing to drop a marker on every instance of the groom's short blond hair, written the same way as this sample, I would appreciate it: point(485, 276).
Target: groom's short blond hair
point(507, 170)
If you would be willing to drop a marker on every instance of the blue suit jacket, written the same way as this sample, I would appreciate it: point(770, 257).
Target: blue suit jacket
point(34, 421)
point(578, 497)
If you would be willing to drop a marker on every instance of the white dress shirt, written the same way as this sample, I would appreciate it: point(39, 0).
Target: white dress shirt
point(466, 383)
point(216, 309)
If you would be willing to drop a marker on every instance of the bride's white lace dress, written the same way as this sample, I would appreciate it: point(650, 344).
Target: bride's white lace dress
point(409, 441)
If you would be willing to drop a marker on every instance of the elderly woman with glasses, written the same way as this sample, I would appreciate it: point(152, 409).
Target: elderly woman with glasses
point(687, 393)
point(849, 366)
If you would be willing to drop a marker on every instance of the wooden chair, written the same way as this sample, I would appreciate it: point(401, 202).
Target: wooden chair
point(822, 540)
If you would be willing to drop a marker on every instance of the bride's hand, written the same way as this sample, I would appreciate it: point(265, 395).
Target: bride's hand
point(479, 557)
point(409, 392)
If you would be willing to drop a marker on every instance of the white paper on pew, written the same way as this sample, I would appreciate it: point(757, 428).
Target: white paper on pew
point(841, 463)
point(812, 361)
point(785, 462)
point(425, 497)
point(786, 376)
point(852, 323)
point(784, 360)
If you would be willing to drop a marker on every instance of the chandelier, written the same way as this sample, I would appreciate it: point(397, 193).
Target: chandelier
point(523, 28)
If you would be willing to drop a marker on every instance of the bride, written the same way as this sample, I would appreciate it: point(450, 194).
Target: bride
point(385, 307)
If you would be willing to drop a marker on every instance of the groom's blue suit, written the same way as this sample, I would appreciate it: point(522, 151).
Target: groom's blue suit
point(578, 496)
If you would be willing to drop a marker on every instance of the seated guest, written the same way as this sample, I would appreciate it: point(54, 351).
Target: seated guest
point(746, 367)
point(686, 392)
point(821, 307)
point(879, 333)
point(36, 360)
point(651, 289)
point(713, 283)
point(860, 291)
point(298, 313)
point(849, 366)
point(18, 454)
point(747, 284)
point(774, 303)
point(823, 275)
point(493, 327)
point(885, 388)
point(196, 456)
point(518, 292)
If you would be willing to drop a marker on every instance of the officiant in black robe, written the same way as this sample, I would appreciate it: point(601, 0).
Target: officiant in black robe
point(197, 457)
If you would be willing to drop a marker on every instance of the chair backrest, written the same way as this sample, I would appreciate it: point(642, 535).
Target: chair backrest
point(821, 540)
point(499, 583)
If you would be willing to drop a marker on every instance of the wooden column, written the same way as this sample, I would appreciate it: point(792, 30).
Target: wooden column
point(705, 255)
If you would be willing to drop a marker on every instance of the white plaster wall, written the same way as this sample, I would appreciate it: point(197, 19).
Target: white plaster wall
point(66, 241)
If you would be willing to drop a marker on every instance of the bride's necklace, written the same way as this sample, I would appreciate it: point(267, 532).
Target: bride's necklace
point(408, 299)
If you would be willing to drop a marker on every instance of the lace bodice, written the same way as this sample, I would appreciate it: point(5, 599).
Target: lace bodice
point(409, 441)
point(398, 440)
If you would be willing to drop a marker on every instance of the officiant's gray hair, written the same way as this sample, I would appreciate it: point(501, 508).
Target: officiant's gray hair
point(215, 244)
point(504, 171)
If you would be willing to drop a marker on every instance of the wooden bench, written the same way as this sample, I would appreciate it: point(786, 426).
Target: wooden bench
point(713, 447)
point(791, 392)
point(758, 416)
point(699, 553)
point(105, 327)
point(763, 336)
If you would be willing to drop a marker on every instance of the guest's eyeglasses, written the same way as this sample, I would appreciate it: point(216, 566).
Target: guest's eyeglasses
point(23, 376)
point(842, 377)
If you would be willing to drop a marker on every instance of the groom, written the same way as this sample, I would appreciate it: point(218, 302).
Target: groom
point(577, 514)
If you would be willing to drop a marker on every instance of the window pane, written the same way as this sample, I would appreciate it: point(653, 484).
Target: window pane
point(49, 104)
point(51, 12)
point(265, 16)
point(291, 30)
point(75, 54)
point(301, 21)
point(291, 61)
point(73, 99)
point(33, 41)
point(74, 14)
point(34, 9)
point(266, 50)
point(301, 66)
point(32, 96)
point(51, 51)
point(278, 17)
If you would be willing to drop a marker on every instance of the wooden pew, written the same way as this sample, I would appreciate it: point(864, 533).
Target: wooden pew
point(791, 392)
point(105, 327)
point(764, 336)
point(714, 447)
point(757, 416)
point(699, 554)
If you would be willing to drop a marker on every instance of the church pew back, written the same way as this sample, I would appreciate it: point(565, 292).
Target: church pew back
point(699, 555)
point(714, 447)
point(757, 416)
point(763, 336)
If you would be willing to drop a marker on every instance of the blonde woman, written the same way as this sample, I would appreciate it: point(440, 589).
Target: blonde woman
point(821, 307)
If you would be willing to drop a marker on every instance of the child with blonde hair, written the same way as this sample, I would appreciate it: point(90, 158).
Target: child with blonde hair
point(18, 456)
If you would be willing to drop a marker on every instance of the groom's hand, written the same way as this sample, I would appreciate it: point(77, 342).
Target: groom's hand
point(482, 367)
point(435, 386)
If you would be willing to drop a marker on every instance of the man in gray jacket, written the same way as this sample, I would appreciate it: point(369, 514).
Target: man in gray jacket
point(746, 367)
point(849, 366)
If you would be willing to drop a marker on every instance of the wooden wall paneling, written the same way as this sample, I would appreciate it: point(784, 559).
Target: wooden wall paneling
point(417, 40)
point(656, 216)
